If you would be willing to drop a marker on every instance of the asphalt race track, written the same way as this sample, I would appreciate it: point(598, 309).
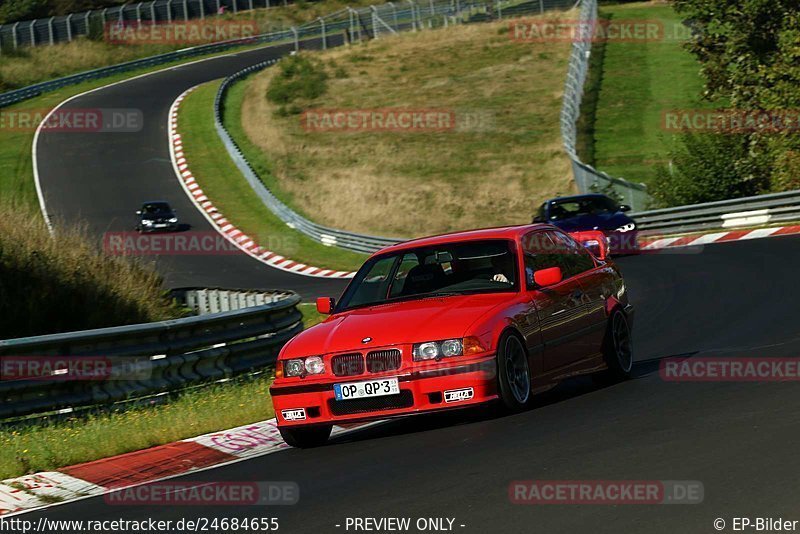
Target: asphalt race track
point(738, 439)
point(99, 179)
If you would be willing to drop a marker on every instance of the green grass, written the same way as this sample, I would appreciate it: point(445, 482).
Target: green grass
point(639, 81)
point(47, 446)
point(232, 195)
point(310, 314)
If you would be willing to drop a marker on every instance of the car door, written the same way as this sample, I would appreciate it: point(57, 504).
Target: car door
point(560, 309)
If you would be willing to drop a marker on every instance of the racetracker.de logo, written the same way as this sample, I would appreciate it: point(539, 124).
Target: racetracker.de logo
point(57, 368)
point(378, 120)
point(91, 120)
point(730, 369)
point(730, 121)
point(187, 32)
point(606, 492)
point(576, 31)
point(169, 244)
point(207, 494)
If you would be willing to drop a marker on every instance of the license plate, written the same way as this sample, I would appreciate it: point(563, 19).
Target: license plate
point(367, 388)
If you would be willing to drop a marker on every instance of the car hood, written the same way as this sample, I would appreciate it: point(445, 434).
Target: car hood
point(603, 221)
point(157, 216)
point(415, 321)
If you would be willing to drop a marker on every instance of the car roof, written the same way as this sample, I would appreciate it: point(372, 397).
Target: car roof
point(578, 197)
point(501, 232)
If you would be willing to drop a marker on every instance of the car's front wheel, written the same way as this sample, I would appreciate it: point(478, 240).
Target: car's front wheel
point(306, 437)
point(513, 373)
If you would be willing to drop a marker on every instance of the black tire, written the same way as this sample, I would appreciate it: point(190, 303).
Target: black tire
point(306, 437)
point(513, 373)
point(617, 348)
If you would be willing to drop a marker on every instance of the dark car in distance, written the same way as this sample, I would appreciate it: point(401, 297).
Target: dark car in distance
point(592, 212)
point(156, 216)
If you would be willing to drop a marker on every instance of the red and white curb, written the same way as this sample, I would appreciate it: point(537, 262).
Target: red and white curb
point(51, 488)
point(694, 240)
point(218, 221)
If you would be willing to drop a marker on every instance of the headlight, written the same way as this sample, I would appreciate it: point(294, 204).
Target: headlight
point(626, 227)
point(293, 367)
point(147, 223)
point(315, 365)
point(173, 220)
point(438, 349)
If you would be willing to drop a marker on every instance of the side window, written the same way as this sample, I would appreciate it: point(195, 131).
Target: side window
point(543, 250)
point(398, 283)
point(578, 258)
point(375, 284)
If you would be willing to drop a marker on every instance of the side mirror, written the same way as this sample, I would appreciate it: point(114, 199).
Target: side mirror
point(325, 305)
point(548, 277)
point(624, 207)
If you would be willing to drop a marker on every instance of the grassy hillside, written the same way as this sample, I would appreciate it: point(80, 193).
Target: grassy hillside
point(55, 285)
point(503, 156)
point(632, 86)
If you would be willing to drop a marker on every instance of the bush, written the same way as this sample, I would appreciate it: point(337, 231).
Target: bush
point(64, 283)
point(707, 167)
point(299, 78)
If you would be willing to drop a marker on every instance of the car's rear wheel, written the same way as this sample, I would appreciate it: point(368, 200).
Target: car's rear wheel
point(617, 347)
point(513, 373)
point(306, 437)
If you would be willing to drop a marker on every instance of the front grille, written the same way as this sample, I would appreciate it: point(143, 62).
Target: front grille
point(379, 361)
point(348, 364)
point(405, 399)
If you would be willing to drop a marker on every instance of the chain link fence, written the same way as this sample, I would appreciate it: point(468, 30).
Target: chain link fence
point(587, 178)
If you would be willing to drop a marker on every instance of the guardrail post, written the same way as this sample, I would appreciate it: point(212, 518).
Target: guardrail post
point(296, 39)
point(235, 7)
point(413, 9)
point(324, 39)
point(86, 22)
point(169, 10)
point(433, 9)
point(50, 30)
point(153, 14)
point(103, 17)
point(374, 12)
point(33, 33)
point(251, 5)
point(218, 6)
point(202, 8)
point(14, 35)
point(541, 6)
point(185, 9)
point(122, 12)
point(499, 10)
point(69, 28)
point(394, 15)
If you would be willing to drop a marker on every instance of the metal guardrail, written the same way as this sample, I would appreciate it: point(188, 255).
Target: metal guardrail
point(587, 178)
point(723, 214)
point(370, 22)
point(203, 301)
point(142, 360)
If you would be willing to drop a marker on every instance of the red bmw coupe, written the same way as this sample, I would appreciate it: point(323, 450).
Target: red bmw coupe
point(456, 320)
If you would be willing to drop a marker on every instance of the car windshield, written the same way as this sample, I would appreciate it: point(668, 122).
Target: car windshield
point(155, 208)
point(565, 209)
point(451, 268)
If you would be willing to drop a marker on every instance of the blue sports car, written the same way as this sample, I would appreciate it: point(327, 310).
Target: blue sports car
point(592, 212)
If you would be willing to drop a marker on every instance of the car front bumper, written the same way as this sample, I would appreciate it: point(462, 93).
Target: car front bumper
point(421, 391)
